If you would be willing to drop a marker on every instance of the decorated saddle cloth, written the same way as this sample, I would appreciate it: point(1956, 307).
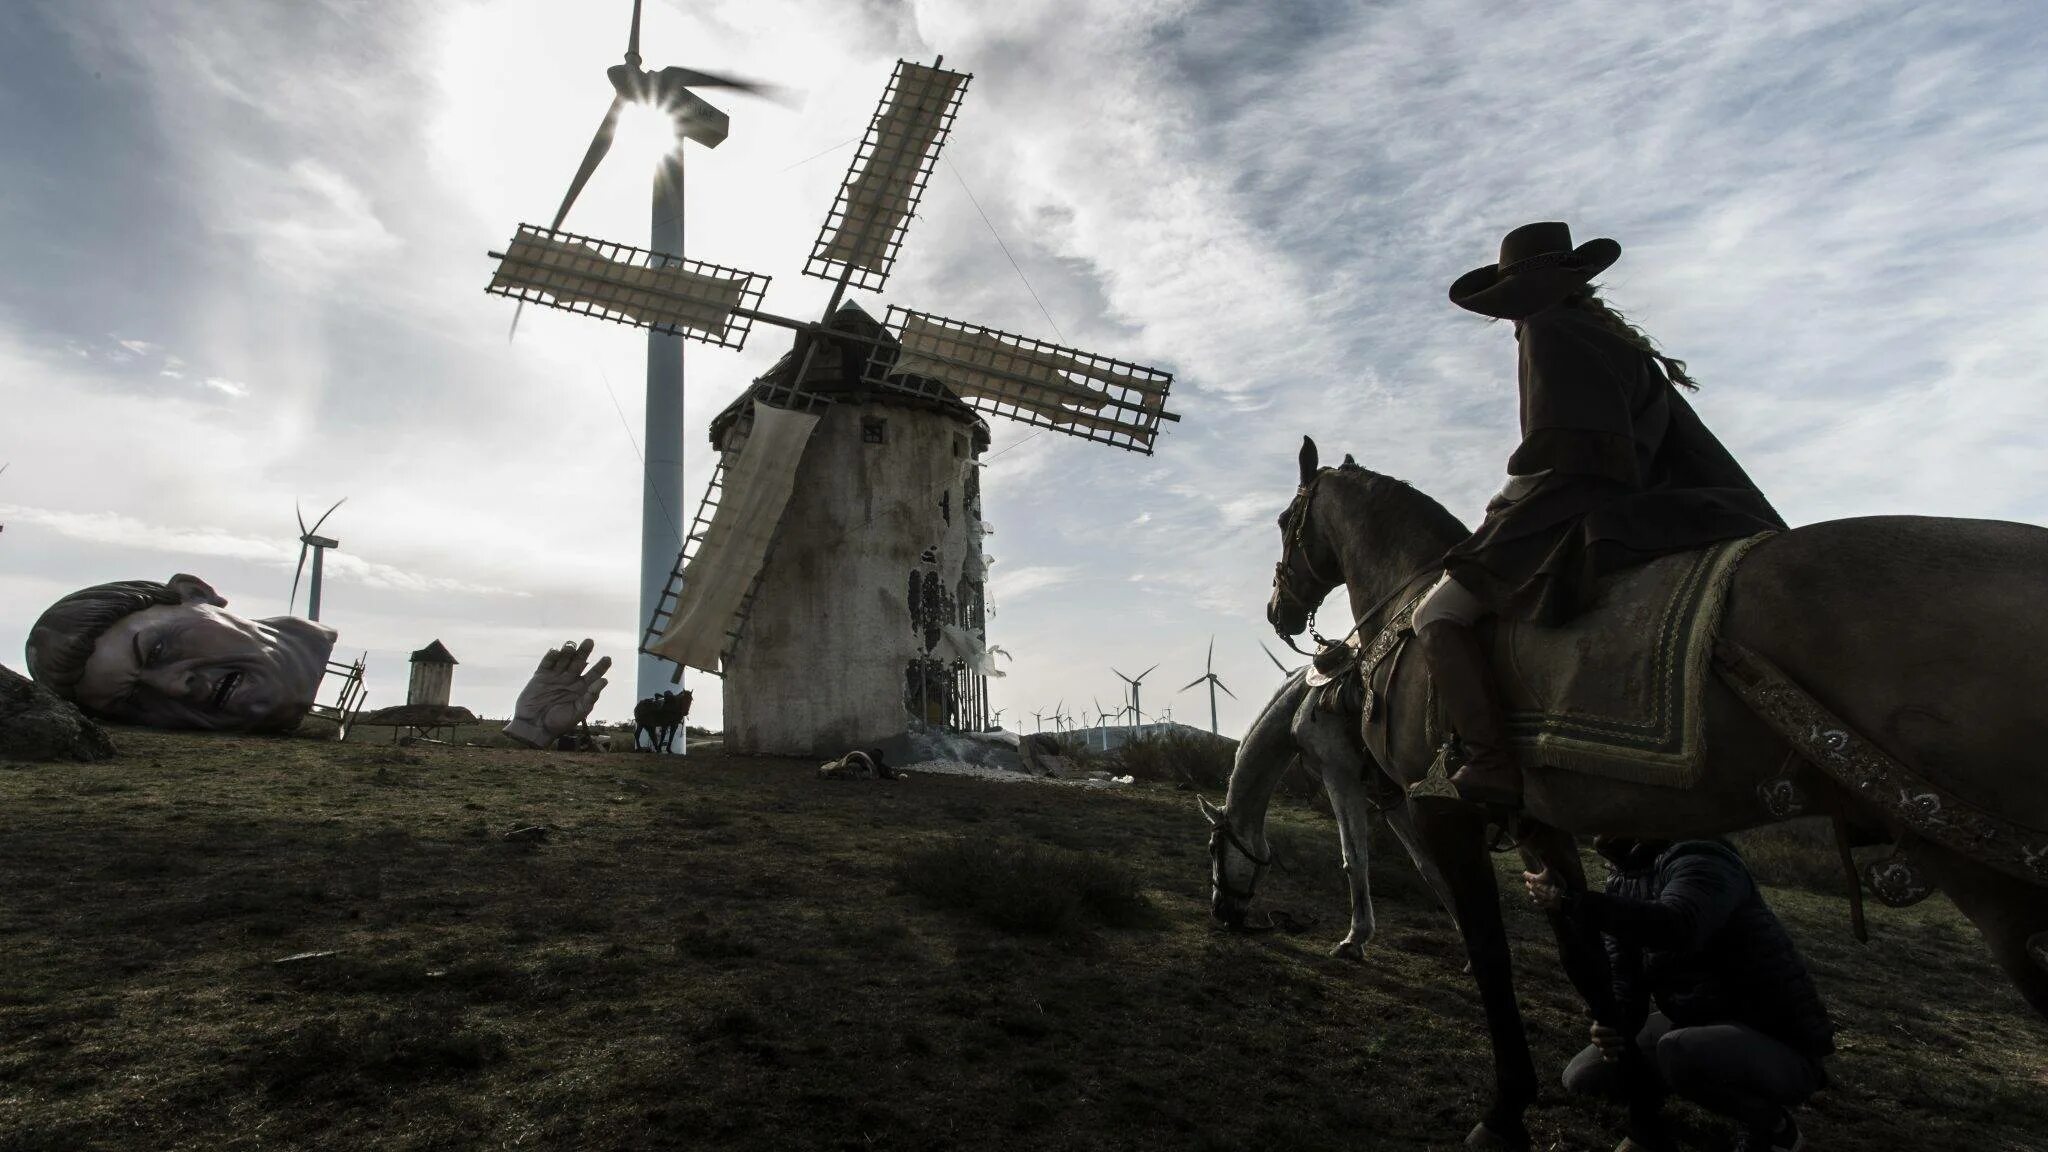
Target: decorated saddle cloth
point(1620, 690)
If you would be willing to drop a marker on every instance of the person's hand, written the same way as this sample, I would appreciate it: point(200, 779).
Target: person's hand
point(1610, 1041)
point(559, 696)
point(1542, 893)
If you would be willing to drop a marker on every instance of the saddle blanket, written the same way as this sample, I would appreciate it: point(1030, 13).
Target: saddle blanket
point(1620, 690)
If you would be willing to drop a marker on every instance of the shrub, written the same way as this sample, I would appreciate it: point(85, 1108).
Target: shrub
point(1024, 887)
point(1175, 756)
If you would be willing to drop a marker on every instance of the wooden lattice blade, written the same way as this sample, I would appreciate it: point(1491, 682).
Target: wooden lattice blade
point(629, 285)
point(887, 176)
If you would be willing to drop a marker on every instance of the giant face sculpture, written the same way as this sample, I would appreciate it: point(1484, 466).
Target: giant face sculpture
point(170, 656)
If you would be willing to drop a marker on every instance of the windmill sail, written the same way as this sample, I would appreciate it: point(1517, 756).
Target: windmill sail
point(1079, 393)
point(717, 578)
point(887, 176)
point(643, 289)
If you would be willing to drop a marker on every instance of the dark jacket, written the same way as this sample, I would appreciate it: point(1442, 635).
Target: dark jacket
point(1688, 928)
point(1629, 473)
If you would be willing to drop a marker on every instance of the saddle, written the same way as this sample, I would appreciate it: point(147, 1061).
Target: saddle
point(1619, 691)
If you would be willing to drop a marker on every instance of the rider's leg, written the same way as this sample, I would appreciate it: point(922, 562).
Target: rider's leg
point(1458, 663)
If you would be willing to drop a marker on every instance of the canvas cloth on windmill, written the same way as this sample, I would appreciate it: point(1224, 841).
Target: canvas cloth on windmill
point(715, 583)
point(1619, 691)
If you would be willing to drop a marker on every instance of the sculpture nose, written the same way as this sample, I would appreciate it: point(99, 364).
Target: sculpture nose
point(178, 683)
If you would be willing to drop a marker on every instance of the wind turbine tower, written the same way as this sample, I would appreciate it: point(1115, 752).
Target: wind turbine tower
point(1209, 676)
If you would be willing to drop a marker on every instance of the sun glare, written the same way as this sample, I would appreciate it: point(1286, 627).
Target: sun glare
point(645, 132)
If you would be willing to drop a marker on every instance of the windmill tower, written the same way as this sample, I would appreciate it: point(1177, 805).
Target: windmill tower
point(433, 675)
point(850, 471)
point(310, 540)
point(1209, 676)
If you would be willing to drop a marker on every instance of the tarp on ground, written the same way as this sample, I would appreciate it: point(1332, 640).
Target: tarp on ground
point(715, 583)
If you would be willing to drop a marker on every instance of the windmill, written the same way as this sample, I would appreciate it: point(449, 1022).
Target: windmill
point(996, 719)
point(1100, 716)
point(860, 415)
point(1209, 676)
point(1137, 717)
point(666, 294)
point(1038, 718)
point(310, 540)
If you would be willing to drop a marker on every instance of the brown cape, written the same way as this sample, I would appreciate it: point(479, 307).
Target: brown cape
point(1632, 474)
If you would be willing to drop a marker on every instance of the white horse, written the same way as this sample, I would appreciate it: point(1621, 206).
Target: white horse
point(1292, 724)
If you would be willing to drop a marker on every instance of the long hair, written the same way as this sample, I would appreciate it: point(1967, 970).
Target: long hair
point(1611, 319)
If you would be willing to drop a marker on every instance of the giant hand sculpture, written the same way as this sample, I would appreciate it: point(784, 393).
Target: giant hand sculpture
point(559, 696)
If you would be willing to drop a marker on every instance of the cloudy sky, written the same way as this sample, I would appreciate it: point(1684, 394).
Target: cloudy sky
point(244, 257)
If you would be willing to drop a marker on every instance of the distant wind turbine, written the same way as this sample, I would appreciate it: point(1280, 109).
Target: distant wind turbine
point(311, 540)
point(1208, 676)
point(1137, 716)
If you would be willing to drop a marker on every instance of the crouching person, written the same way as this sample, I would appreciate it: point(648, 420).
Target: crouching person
point(1738, 1026)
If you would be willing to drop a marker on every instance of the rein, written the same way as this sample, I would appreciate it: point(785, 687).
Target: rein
point(1303, 496)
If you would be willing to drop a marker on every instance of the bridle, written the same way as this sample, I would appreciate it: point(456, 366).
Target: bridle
point(1222, 833)
point(1292, 546)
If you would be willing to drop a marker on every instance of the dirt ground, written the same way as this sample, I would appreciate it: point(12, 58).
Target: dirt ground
point(731, 953)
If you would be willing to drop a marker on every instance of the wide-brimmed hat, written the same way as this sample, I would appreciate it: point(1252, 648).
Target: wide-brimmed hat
point(1538, 267)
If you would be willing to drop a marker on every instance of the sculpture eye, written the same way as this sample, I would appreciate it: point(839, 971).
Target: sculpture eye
point(156, 653)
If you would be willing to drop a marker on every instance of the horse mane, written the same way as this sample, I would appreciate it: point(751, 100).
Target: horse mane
point(1409, 510)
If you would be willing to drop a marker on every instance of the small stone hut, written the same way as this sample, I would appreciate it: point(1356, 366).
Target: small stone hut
point(433, 674)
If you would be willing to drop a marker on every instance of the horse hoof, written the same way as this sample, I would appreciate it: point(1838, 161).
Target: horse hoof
point(2037, 947)
point(1349, 950)
point(1482, 1136)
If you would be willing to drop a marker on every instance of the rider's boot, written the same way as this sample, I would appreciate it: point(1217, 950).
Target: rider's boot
point(1466, 685)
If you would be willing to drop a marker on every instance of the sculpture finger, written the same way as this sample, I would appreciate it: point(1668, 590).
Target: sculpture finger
point(597, 671)
point(580, 656)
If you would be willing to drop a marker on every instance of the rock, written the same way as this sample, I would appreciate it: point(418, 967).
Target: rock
point(531, 834)
point(38, 724)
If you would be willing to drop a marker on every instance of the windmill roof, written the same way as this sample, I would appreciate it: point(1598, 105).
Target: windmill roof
point(838, 371)
point(435, 653)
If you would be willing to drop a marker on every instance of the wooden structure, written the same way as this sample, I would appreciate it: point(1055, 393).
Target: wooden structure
point(433, 674)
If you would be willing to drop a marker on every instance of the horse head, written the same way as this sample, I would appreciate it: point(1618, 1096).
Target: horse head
point(1307, 570)
point(1234, 868)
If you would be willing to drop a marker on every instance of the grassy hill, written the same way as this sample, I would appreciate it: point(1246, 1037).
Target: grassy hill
point(730, 953)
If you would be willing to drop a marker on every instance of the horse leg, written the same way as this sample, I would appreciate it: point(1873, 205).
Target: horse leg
point(2011, 913)
point(1456, 840)
point(1354, 815)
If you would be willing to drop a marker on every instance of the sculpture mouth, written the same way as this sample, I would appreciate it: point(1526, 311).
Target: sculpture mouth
point(225, 689)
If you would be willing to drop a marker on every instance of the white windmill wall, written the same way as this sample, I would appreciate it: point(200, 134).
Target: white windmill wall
point(823, 664)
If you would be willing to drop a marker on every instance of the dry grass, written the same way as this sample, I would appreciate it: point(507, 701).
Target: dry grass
point(730, 953)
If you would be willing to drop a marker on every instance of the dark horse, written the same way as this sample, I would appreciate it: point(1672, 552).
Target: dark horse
point(658, 717)
point(1923, 634)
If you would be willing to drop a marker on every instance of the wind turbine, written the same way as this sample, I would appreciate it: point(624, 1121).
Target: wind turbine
point(661, 497)
point(1209, 676)
point(1038, 718)
point(1284, 669)
point(996, 718)
point(1137, 716)
point(311, 540)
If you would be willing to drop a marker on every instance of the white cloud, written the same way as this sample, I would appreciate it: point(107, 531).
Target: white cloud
point(222, 385)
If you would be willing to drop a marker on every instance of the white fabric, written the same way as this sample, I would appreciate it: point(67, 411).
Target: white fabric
point(574, 273)
point(985, 363)
point(757, 488)
point(1449, 602)
point(879, 197)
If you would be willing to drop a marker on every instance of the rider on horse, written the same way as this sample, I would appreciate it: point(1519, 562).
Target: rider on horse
point(1614, 469)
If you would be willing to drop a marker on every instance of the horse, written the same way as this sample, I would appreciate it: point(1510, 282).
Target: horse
point(658, 717)
point(1917, 631)
point(1292, 725)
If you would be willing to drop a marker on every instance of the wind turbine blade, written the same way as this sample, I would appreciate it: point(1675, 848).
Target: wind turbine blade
point(1148, 671)
point(691, 78)
point(1209, 665)
point(326, 514)
point(1226, 691)
point(633, 38)
point(1275, 659)
point(600, 144)
point(1197, 680)
point(301, 514)
point(288, 604)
